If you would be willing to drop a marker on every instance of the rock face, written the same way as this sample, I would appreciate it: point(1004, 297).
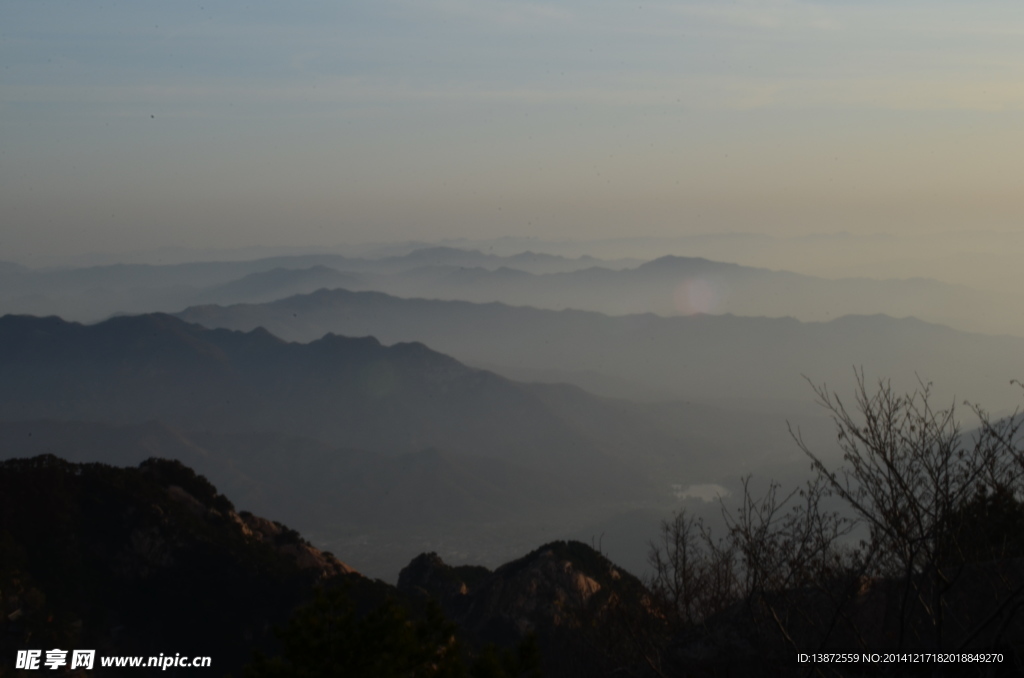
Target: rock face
point(289, 544)
point(427, 574)
point(140, 560)
point(555, 594)
point(544, 589)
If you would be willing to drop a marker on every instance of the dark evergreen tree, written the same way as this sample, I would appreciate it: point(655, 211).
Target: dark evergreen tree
point(329, 638)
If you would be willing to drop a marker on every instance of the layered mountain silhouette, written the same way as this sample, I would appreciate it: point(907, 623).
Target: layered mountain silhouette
point(95, 292)
point(352, 441)
point(673, 285)
point(696, 357)
point(277, 283)
point(343, 392)
point(670, 285)
point(346, 392)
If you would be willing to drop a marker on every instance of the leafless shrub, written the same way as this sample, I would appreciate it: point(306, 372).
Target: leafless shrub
point(940, 565)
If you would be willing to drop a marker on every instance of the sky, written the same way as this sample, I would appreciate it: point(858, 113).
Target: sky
point(134, 125)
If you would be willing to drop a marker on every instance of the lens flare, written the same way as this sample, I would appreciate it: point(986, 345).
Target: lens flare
point(697, 295)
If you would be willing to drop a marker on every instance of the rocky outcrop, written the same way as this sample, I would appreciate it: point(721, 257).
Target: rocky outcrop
point(543, 589)
point(137, 560)
point(211, 506)
point(288, 543)
point(429, 575)
point(552, 588)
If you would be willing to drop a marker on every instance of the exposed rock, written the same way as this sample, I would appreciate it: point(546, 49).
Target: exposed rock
point(187, 500)
point(430, 575)
point(287, 542)
point(551, 588)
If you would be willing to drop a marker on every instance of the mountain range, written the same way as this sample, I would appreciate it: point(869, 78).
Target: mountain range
point(674, 285)
point(669, 286)
point(699, 357)
point(93, 293)
point(355, 442)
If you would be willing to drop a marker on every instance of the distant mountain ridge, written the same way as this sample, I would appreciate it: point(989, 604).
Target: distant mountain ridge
point(351, 392)
point(96, 292)
point(346, 437)
point(701, 357)
point(278, 282)
point(675, 285)
point(669, 285)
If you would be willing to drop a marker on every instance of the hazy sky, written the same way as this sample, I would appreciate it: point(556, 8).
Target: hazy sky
point(127, 125)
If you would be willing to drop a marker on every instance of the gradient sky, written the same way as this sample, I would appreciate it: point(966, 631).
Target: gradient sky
point(130, 125)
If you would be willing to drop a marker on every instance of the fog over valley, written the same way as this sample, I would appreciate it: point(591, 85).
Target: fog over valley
point(494, 339)
point(449, 412)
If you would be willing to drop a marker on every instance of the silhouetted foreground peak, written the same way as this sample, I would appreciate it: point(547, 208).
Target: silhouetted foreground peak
point(565, 594)
point(152, 559)
point(144, 561)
